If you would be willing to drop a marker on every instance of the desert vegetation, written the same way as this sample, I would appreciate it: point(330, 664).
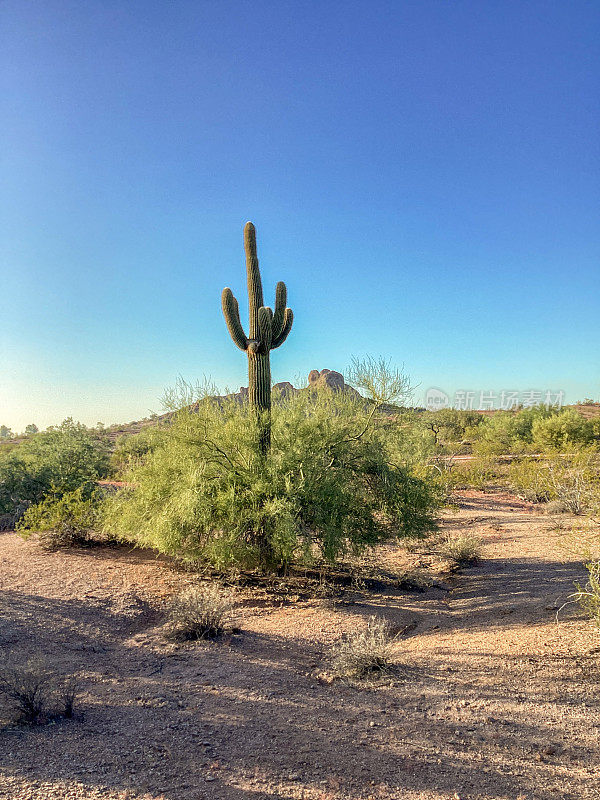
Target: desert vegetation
point(306, 542)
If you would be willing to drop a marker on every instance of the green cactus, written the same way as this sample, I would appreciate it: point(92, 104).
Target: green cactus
point(267, 331)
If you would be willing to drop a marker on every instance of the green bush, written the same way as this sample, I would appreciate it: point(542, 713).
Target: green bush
point(331, 484)
point(58, 460)
point(132, 449)
point(571, 477)
point(447, 474)
point(563, 430)
point(588, 595)
point(64, 521)
point(449, 426)
point(529, 479)
point(510, 431)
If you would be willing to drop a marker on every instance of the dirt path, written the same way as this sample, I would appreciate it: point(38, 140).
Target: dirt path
point(491, 698)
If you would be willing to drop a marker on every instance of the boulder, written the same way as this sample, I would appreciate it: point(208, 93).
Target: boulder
point(326, 379)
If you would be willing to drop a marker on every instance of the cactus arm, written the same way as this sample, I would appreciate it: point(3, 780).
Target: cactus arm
point(280, 304)
point(288, 319)
point(231, 312)
point(255, 292)
point(265, 328)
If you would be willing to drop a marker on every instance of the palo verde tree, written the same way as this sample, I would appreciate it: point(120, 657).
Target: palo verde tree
point(267, 330)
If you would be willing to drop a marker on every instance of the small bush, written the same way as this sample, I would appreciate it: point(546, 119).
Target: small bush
point(29, 687)
point(365, 652)
point(464, 548)
point(65, 521)
point(588, 596)
point(529, 480)
point(563, 430)
point(555, 507)
point(200, 612)
point(66, 695)
point(571, 477)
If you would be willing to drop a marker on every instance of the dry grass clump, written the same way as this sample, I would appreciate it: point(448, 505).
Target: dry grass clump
point(462, 548)
point(365, 652)
point(555, 507)
point(200, 612)
point(36, 694)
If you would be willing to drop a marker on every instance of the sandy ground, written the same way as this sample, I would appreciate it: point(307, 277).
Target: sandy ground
point(490, 698)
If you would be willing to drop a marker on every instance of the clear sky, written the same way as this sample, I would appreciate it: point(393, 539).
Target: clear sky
point(423, 175)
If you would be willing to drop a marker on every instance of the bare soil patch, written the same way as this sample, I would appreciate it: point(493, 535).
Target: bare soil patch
point(490, 698)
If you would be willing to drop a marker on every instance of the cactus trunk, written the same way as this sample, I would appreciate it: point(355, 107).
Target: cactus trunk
point(259, 396)
point(267, 330)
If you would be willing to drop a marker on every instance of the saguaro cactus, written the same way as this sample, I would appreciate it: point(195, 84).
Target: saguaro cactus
point(267, 331)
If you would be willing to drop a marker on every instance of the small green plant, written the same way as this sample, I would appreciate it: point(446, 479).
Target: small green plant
point(366, 652)
point(570, 477)
point(462, 548)
point(200, 612)
point(65, 521)
point(529, 480)
point(588, 595)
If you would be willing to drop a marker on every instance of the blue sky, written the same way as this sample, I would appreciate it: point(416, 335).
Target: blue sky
point(423, 175)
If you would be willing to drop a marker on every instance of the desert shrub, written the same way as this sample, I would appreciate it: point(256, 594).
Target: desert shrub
point(200, 612)
point(449, 426)
point(588, 595)
point(448, 474)
point(35, 691)
point(133, 449)
point(58, 460)
point(528, 478)
point(364, 652)
point(563, 430)
point(408, 440)
point(29, 687)
point(511, 431)
point(330, 485)
point(574, 479)
point(478, 473)
point(570, 477)
point(66, 696)
point(462, 548)
point(64, 521)
point(555, 507)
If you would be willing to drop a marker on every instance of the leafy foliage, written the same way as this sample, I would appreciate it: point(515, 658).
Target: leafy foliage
point(63, 521)
point(450, 425)
point(571, 477)
point(588, 595)
point(331, 484)
point(54, 462)
point(132, 449)
point(564, 430)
